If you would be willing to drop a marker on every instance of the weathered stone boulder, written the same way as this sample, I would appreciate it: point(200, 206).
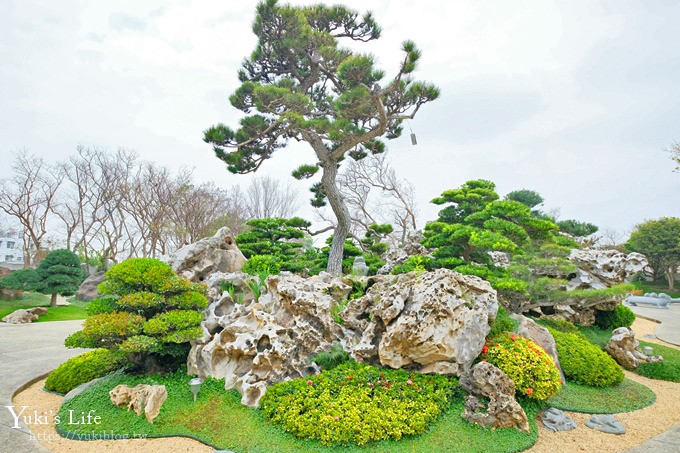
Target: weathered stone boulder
point(606, 423)
point(434, 322)
point(208, 255)
point(604, 268)
point(141, 398)
point(399, 253)
point(88, 289)
point(24, 316)
point(503, 411)
point(528, 328)
point(555, 420)
point(625, 349)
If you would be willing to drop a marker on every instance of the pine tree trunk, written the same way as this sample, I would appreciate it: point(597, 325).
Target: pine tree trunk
point(53, 300)
point(341, 212)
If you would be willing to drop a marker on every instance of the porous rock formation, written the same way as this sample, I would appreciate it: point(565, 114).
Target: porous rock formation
point(24, 316)
point(140, 398)
point(503, 411)
point(399, 253)
point(208, 255)
point(598, 269)
point(625, 349)
point(430, 322)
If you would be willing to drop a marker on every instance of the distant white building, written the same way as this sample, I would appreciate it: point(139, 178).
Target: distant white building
point(11, 249)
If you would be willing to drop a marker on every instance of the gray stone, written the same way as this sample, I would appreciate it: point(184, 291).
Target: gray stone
point(88, 289)
point(604, 268)
point(528, 328)
point(606, 424)
point(24, 316)
point(208, 255)
point(502, 411)
point(625, 349)
point(78, 390)
point(555, 420)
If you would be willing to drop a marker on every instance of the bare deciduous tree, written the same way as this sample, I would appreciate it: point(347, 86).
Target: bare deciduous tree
point(269, 198)
point(28, 196)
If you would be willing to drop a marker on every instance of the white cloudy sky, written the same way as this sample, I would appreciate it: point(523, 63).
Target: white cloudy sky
point(574, 99)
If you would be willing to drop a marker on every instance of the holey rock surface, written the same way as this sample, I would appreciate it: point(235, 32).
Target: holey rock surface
point(208, 255)
point(433, 322)
point(604, 268)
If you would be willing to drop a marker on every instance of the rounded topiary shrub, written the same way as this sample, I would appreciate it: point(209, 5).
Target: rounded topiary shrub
point(262, 264)
point(83, 368)
point(621, 316)
point(357, 403)
point(531, 368)
point(585, 363)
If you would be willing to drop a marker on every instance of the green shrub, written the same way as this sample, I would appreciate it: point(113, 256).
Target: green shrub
point(357, 403)
point(102, 304)
point(163, 323)
point(83, 368)
point(558, 324)
point(502, 323)
point(583, 362)
point(135, 275)
point(111, 328)
point(190, 300)
point(331, 359)
point(531, 368)
point(140, 343)
point(262, 264)
point(621, 316)
point(141, 302)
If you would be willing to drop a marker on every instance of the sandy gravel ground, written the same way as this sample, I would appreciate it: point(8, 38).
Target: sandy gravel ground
point(641, 425)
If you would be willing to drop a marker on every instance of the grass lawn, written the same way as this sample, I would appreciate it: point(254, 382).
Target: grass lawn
point(659, 286)
point(30, 299)
point(624, 397)
point(596, 335)
point(218, 417)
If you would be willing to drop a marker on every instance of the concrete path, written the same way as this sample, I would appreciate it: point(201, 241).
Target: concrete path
point(669, 329)
point(27, 352)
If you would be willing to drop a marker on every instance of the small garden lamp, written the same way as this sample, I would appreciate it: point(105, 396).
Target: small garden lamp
point(648, 351)
point(195, 386)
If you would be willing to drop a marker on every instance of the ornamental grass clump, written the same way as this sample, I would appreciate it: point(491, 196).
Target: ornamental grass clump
point(147, 313)
point(531, 368)
point(357, 404)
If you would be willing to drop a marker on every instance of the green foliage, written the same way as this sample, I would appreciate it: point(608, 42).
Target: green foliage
point(530, 198)
point(21, 280)
point(564, 241)
point(59, 273)
point(502, 323)
point(83, 368)
point(146, 312)
point(668, 370)
point(357, 403)
point(257, 286)
point(658, 241)
point(624, 397)
point(576, 228)
point(585, 363)
point(531, 368)
point(331, 359)
point(416, 263)
point(102, 304)
point(258, 264)
point(558, 324)
point(621, 316)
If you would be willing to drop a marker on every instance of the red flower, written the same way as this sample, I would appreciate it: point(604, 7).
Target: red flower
point(309, 382)
point(483, 360)
point(485, 349)
point(409, 382)
point(529, 391)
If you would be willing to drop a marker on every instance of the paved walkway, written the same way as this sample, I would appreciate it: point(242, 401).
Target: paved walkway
point(669, 331)
point(27, 352)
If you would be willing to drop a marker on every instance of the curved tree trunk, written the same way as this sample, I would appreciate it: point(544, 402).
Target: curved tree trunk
point(53, 300)
point(330, 172)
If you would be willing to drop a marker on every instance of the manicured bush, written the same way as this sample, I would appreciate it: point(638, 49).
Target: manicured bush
point(621, 316)
point(583, 362)
point(110, 328)
point(531, 368)
point(190, 300)
point(83, 368)
point(102, 304)
point(558, 324)
point(502, 323)
point(135, 275)
point(141, 302)
point(262, 264)
point(357, 403)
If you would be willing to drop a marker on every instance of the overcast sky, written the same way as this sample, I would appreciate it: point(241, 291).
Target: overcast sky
point(574, 99)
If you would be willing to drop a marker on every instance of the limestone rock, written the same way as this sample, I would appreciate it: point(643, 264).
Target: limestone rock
point(430, 322)
point(555, 420)
point(625, 349)
point(88, 289)
point(399, 253)
point(216, 254)
point(141, 398)
point(540, 335)
point(24, 316)
point(606, 424)
point(604, 268)
point(503, 411)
